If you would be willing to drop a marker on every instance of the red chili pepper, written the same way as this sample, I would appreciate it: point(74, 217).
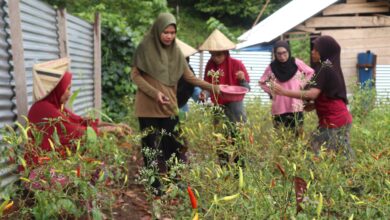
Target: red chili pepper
point(251, 139)
point(194, 203)
point(281, 169)
point(78, 171)
point(42, 160)
point(11, 159)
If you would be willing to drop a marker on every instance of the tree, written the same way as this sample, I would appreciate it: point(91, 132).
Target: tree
point(231, 12)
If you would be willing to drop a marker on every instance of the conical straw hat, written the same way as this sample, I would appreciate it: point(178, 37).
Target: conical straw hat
point(47, 75)
point(186, 49)
point(217, 41)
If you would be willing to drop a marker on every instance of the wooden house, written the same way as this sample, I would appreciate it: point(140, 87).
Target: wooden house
point(358, 25)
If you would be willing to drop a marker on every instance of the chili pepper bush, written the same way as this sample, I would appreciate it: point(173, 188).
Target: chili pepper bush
point(65, 183)
point(278, 176)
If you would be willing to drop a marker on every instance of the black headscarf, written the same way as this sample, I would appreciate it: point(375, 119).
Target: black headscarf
point(329, 51)
point(283, 71)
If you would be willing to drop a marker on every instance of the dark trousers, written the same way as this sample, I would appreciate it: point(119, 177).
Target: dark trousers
point(160, 135)
point(230, 118)
point(293, 121)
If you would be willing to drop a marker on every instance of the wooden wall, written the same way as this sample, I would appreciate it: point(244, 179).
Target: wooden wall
point(358, 25)
point(354, 41)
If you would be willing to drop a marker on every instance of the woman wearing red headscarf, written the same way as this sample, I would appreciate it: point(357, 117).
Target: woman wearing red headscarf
point(53, 121)
point(222, 69)
point(231, 72)
point(49, 115)
point(329, 93)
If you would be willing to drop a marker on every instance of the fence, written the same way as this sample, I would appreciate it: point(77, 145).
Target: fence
point(382, 83)
point(31, 32)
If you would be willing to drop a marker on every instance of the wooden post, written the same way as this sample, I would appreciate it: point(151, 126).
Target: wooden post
point(62, 33)
point(201, 64)
point(97, 63)
point(18, 60)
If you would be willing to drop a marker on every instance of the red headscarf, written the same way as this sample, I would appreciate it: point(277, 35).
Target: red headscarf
point(229, 67)
point(47, 115)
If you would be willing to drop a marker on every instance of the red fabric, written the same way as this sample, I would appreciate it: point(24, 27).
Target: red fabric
point(229, 67)
point(68, 125)
point(332, 113)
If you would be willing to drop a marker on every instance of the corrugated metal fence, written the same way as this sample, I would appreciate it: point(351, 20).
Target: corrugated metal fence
point(40, 37)
point(7, 94)
point(382, 83)
point(31, 32)
point(255, 63)
point(80, 38)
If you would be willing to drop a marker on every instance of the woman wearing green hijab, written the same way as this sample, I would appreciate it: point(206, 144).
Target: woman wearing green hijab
point(157, 67)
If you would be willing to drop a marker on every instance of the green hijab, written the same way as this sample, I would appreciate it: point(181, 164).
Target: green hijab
point(164, 63)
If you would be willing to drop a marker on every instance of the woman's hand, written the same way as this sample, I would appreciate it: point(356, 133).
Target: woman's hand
point(120, 129)
point(277, 89)
point(202, 96)
point(261, 83)
point(240, 75)
point(162, 99)
point(127, 130)
point(216, 89)
point(308, 106)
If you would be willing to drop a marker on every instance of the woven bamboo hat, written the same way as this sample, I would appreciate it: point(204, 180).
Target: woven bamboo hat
point(186, 49)
point(47, 75)
point(217, 41)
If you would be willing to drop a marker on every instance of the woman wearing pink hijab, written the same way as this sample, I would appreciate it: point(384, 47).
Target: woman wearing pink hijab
point(290, 73)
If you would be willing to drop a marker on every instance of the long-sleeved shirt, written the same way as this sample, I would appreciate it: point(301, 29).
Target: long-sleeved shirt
point(146, 104)
point(284, 104)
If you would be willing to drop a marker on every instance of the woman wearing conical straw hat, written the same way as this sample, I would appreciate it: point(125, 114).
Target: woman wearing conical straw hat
point(48, 115)
point(158, 65)
point(230, 72)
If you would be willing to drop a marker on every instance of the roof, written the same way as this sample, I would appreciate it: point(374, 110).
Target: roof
point(283, 20)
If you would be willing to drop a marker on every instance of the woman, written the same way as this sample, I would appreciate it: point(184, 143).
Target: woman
point(157, 67)
point(224, 70)
point(290, 73)
point(231, 72)
point(51, 121)
point(328, 91)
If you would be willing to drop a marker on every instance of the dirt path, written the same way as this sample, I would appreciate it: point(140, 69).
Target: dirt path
point(132, 203)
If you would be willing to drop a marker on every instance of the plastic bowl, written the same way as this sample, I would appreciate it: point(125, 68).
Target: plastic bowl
point(233, 93)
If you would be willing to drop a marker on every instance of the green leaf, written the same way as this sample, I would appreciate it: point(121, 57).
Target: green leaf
point(91, 135)
point(73, 98)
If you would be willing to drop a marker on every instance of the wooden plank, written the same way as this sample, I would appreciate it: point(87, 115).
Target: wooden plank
point(368, 7)
point(348, 52)
point(352, 52)
point(97, 63)
point(365, 33)
point(383, 60)
point(365, 43)
point(18, 60)
point(348, 21)
point(305, 29)
point(62, 33)
point(356, 1)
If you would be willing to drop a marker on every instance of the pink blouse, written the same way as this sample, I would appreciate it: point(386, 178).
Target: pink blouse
point(284, 104)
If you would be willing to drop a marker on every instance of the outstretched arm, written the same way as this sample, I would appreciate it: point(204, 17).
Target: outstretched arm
point(310, 94)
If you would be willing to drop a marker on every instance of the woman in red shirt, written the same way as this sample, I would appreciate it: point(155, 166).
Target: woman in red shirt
point(328, 91)
point(50, 119)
